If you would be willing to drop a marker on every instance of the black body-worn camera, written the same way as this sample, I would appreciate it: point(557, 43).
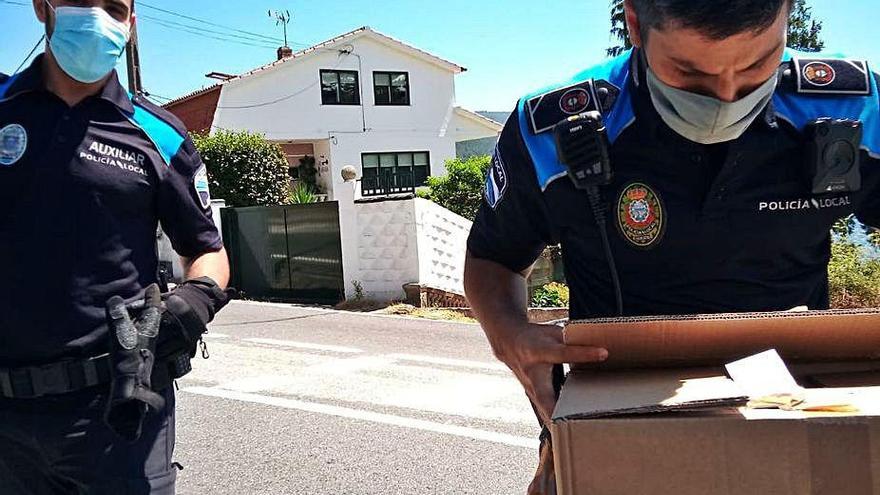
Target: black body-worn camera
point(833, 155)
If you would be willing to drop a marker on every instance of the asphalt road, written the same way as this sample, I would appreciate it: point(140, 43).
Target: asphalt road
point(308, 401)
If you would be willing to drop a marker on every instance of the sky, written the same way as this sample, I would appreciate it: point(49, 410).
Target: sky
point(510, 47)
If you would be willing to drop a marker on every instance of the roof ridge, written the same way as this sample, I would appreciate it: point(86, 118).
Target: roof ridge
point(478, 116)
point(306, 51)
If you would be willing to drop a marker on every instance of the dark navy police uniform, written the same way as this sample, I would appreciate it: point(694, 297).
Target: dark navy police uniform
point(82, 191)
point(730, 227)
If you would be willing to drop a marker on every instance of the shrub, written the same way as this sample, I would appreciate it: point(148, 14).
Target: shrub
point(244, 168)
point(551, 296)
point(854, 270)
point(853, 276)
point(461, 189)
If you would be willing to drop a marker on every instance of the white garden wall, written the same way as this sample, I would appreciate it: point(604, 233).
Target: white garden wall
point(390, 243)
point(442, 244)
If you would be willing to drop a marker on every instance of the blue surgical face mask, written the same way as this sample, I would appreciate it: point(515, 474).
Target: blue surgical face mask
point(87, 42)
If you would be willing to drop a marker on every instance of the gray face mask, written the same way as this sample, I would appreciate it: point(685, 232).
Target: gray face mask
point(707, 120)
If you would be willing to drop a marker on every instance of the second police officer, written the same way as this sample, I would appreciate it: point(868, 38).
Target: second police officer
point(700, 172)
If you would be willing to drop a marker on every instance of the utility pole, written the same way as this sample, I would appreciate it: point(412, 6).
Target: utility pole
point(133, 62)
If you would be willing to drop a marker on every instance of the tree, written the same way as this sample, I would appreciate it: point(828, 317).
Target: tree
point(461, 189)
point(619, 30)
point(803, 31)
point(853, 276)
point(244, 168)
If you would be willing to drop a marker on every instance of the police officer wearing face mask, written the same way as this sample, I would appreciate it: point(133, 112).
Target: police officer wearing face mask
point(700, 172)
point(88, 345)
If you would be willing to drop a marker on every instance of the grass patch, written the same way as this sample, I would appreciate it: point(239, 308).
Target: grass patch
point(436, 314)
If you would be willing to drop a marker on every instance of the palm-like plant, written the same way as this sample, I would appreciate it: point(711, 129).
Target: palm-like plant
point(302, 194)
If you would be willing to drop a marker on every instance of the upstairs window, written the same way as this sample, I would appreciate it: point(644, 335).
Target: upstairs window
point(340, 87)
point(391, 88)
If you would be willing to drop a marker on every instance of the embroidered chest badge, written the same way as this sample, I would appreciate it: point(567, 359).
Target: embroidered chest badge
point(641, 217)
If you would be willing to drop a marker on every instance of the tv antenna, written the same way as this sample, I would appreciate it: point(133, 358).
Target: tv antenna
point(282, 18)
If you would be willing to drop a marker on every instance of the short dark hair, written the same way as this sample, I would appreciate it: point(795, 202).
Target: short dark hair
point(716, 19)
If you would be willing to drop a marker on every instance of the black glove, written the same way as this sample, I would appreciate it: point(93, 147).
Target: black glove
point(192, 305)
point(188, 310)
point(132, 355)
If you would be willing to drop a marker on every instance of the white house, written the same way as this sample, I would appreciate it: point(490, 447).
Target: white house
point(362, 99)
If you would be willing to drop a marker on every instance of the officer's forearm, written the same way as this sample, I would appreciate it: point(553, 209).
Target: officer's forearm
point(499, 299)
point(213, 265)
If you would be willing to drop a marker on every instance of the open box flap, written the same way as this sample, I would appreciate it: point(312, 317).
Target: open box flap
point(592, 394)
point(712, 340)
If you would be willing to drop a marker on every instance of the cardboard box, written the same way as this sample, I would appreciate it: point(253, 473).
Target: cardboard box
point(683, 431)
point(636, 434)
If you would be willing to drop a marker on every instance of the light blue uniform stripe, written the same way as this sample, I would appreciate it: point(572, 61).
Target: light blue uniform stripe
point(163, 135)
point(4, 87)
point(802, 109)
point(542, 147)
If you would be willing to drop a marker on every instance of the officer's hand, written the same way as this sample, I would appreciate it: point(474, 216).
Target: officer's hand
point(531, 351)
point(191, 306)
point(188, 310)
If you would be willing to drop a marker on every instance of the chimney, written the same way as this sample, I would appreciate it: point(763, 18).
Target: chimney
point(284, 52)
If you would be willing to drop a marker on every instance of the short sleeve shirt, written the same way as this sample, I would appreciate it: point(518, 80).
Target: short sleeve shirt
point(82, 191)
point(693, 228)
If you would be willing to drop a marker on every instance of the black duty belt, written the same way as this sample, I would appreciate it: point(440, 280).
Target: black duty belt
point(58, 378)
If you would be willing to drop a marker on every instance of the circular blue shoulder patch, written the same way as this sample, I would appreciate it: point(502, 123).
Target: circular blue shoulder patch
point(13, 144)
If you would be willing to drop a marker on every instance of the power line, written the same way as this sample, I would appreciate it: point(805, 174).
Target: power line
point(283, 98)
point(159, 97)
point(43, 37)
point(268, 103)
point(268, 41)
point(197, 32)
point(152, 100)
point(156, 99)
point(203, 21)
point(189, 27)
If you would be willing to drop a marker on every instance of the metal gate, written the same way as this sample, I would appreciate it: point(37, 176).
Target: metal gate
point(290, 253)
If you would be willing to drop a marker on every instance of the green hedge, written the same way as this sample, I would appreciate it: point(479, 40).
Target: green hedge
point(461, 189)
point(244, 168)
